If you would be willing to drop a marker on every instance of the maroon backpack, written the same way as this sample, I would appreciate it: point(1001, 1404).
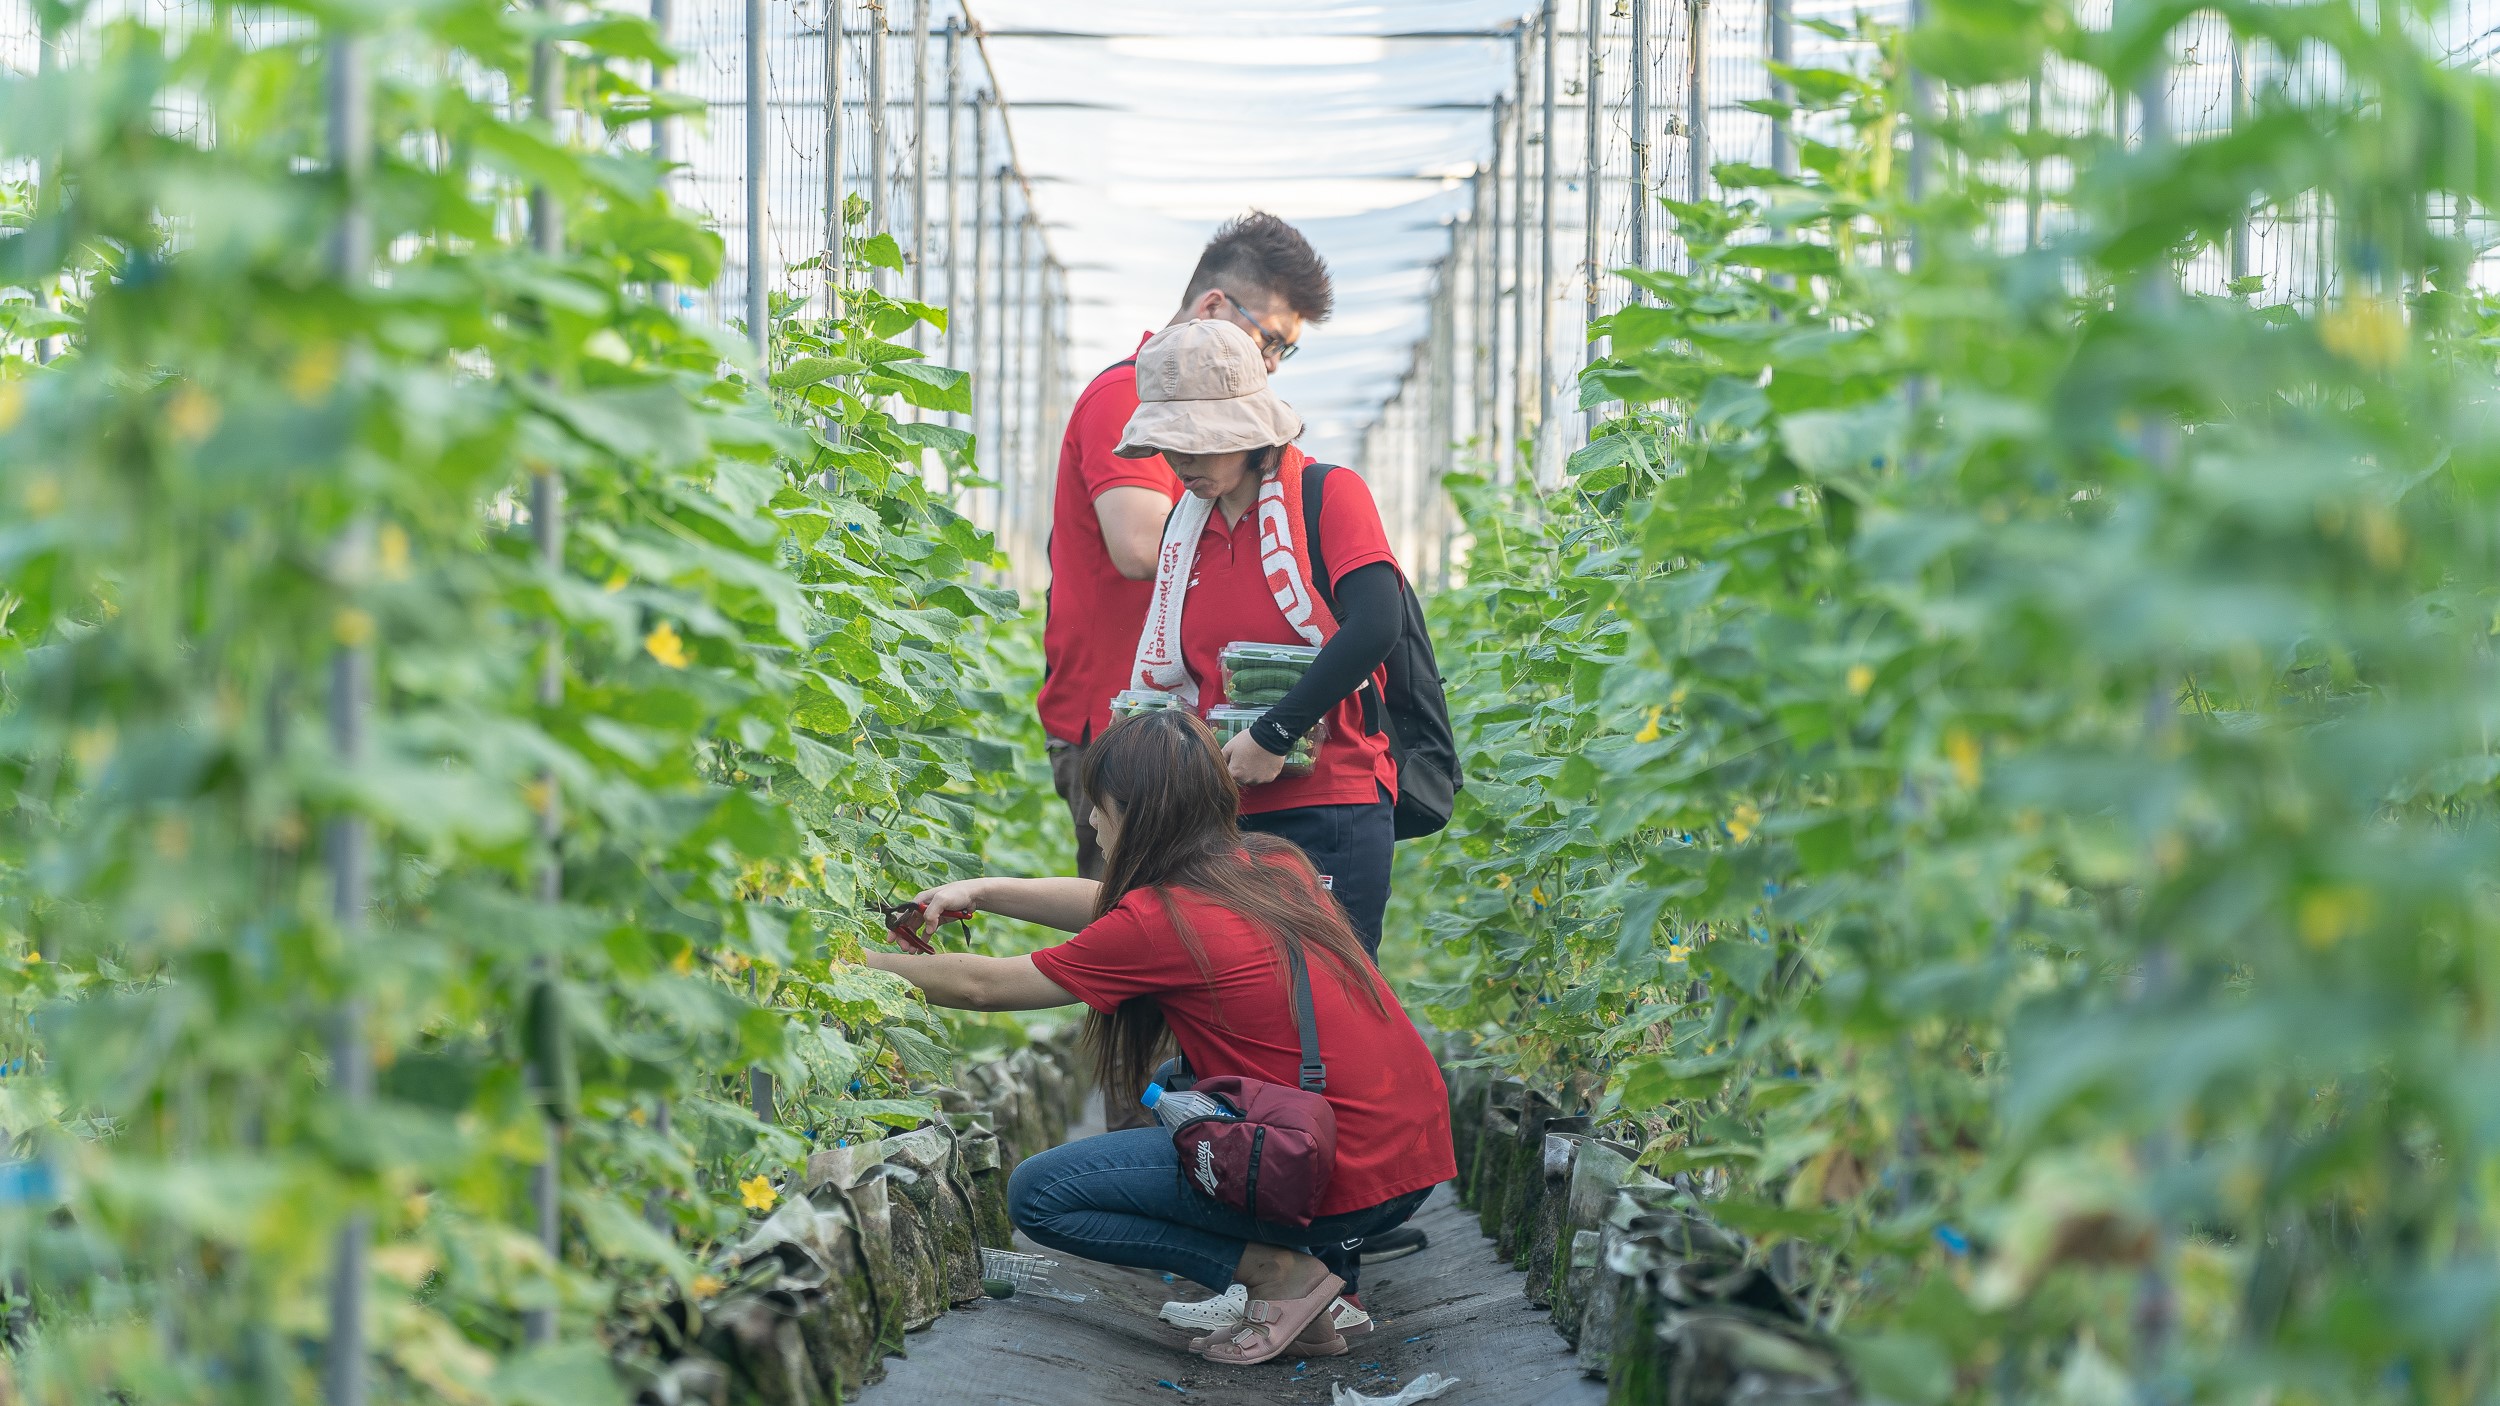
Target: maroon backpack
point(1274, 1158)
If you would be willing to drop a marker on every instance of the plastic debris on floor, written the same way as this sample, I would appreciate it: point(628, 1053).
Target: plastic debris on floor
point(1424, 1388)
point(1026, 1274)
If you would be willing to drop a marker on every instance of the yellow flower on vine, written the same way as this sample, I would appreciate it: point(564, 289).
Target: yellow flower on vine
point(1861, 678)
point(192, 413)
point(1962, 750)
point(1649, 729)
point(391, 547)
point(706, 1285)
point(757, 1193)
point(2328, 916)
point(351, 627)
point(2368, 331)
point(1744, 822)
point(1501, 881)
point(664, 645)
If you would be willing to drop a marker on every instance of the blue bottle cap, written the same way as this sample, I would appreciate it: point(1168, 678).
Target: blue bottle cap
point(1152, 1096)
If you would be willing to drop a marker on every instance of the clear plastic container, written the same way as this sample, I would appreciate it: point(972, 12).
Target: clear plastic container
point(1259, 675)
point(1230, 723)
point(1129, 702)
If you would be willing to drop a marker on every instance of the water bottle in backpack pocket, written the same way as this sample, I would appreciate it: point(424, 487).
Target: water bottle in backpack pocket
point(1175, 1107)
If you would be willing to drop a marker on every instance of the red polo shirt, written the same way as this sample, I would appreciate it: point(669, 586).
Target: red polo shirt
point(1234, 1017)
point(1094, 615)
point(1229, 600)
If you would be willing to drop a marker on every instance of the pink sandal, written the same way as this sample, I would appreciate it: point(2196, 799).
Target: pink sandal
point(1269, 1328)
point(1318, 1340)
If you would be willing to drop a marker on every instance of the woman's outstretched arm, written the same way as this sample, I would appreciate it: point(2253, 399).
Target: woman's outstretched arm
point(1065, 904)
point(969, 982)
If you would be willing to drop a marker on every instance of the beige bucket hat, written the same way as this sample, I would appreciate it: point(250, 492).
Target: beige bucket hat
point(1202, 389)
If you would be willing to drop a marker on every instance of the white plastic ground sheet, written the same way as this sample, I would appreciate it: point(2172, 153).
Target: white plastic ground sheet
point(1145, 123)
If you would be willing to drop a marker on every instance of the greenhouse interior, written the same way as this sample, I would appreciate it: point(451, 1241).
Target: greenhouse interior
point(1840, 741)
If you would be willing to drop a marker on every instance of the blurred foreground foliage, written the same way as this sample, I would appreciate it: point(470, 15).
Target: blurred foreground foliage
point(783, 696)
point(1989, 760)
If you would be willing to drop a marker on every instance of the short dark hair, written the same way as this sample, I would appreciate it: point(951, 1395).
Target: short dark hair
point(1259, 251)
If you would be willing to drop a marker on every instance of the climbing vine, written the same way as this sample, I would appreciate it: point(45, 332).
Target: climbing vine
point(1985, 766)
point(779, 697)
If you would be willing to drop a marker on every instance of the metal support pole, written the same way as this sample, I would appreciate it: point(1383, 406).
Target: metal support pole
point(1022, 432)
point(1594, 159)
point(538, 1325)
point(1445, 428)
point(2031, 172)
point(1546, 172)
point(1519, 381)
point(954, 192)
point(2239, 118)
point(1780, 35)
point(1483, 243)
point(984, 391)
point(663, 132)
point(1641, 194)
point(1922, 107)
point(1002, 397)
point(919, 160)
point(836, 256)
point(1697, 114)
point(351, 672)
point(46, 170)
point(880, 196)
point(759, 279)
point(1486, 213)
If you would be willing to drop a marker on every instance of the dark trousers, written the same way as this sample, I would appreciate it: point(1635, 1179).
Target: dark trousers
point(1120, 1198)
point(1351, 845)
point(1067, 766)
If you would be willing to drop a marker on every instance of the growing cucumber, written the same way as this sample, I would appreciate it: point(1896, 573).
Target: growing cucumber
point(1266, 676)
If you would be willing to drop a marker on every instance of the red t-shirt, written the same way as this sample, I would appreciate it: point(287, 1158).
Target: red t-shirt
point(1393, 1113)
point(1229, 599)
point(1089, 638)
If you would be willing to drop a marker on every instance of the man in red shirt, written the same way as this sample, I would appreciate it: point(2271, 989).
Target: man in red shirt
point(1107, 513)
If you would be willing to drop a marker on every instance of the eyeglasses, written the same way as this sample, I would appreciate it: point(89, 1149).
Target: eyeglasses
point(1268, 341)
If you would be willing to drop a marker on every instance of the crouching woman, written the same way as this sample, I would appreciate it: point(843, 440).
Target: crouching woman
point(1193, 929)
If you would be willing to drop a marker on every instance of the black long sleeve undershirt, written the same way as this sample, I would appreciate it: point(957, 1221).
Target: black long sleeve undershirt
point(1373, 612)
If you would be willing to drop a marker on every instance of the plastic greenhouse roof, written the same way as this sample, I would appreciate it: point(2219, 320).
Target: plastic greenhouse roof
point(1144, 124)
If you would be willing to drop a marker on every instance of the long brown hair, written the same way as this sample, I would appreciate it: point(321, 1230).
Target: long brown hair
point(1178, 808)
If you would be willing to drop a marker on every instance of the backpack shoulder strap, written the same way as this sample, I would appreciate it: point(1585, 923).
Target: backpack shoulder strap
point(1306, 1021)
point(1314, 478)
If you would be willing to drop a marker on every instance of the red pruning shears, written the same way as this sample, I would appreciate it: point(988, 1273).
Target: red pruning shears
point(903, 920)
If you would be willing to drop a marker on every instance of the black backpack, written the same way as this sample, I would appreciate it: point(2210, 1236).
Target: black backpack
point(1416, 712)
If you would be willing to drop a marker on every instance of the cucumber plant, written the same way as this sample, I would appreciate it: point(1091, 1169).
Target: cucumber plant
point(781, 694)
point(1985, 763)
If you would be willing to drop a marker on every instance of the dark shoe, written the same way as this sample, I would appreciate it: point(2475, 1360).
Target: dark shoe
point(1391, 1245)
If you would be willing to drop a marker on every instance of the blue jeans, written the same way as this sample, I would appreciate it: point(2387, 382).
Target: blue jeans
point(1351, 844)
point(1118, 1198)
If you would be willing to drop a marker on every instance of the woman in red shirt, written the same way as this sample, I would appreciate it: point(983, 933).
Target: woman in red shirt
point(1205, 406)
point(1188, 933)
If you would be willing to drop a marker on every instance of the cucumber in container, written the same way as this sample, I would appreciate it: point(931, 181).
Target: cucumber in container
point(1260, 675)
point(1230, 723)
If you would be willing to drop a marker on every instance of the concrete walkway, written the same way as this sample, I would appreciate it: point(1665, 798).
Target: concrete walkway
point(1451, 1309)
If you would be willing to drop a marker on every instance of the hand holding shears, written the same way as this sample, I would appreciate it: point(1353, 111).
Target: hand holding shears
point(906, 922)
